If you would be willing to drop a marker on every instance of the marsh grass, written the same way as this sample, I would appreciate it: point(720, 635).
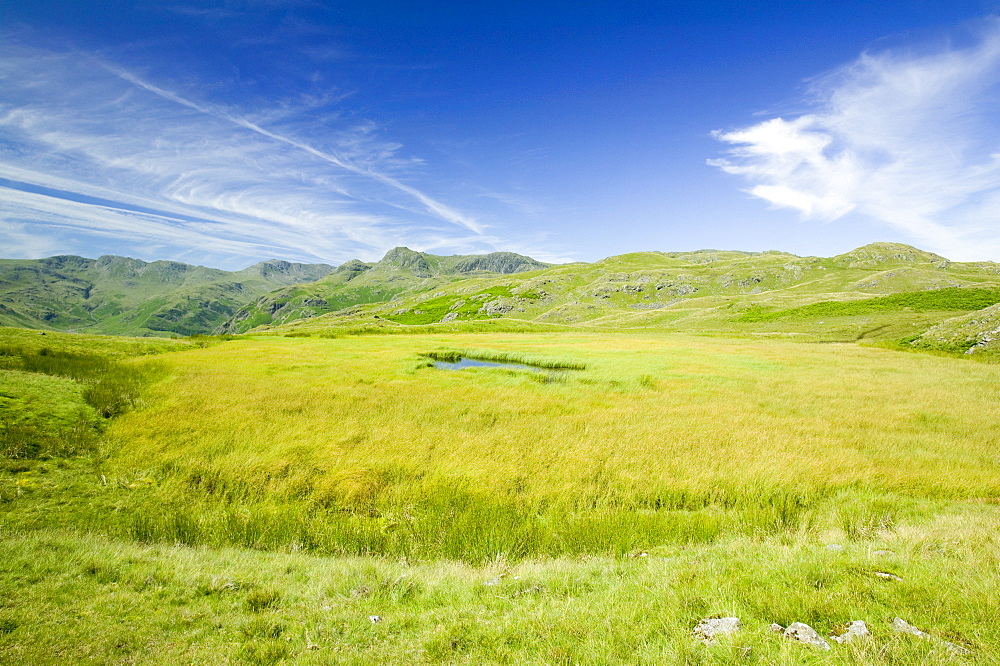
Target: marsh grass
point(453, 525)
point(55, 397)
point(351, 446)
point(112, 385)
point(29, 441)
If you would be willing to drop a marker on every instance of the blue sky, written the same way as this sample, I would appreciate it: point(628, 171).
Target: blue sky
point(226, 132)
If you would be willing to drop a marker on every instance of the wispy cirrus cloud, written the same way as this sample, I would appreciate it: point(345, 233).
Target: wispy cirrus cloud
point(910, 140)
point(89, 149)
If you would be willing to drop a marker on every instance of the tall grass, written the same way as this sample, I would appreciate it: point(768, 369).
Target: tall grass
point(448, 521)
point(112, 385)
point(21, 441)
point(42, 418)
point(351, 446)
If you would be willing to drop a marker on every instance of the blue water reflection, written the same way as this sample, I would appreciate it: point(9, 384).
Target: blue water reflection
point(472, 363)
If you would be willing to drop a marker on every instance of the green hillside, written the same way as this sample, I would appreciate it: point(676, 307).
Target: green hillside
point(401, 272)
point(123, 296)
point(971, 333)
point(882, 290)
point(879, 291)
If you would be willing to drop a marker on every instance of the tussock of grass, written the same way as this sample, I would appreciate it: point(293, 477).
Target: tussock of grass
point(203, 341)
point(54, 397)
point(111, 386)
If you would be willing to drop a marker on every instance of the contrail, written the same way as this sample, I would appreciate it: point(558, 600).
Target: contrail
point(435, 207)
point(952, 153)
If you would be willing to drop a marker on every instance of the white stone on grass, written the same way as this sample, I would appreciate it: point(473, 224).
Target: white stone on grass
point(855, 630)
point(888, 576)
point(904, 627)
point(710, 629)
point(803, 633)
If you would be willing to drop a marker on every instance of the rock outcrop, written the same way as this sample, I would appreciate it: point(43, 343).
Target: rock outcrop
point(709, 630)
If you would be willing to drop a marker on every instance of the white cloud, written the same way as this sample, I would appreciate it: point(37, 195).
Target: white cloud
point(909, 140)
point(97, 152)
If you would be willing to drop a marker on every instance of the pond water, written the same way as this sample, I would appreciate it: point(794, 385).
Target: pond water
point(473, 363)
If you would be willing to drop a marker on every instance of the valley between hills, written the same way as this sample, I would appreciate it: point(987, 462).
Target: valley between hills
point(275, 466)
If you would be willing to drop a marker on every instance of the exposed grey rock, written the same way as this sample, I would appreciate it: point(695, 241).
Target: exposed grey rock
point(776, 628)
point(978, 331)
point(883, 553)
point(805, 634)
point(888, 576)
point(375, 619)
point(656, 305)
point(904, 627)
point(835, 547)
point(496, 307)
point(448, 317)
point(855, 630)
point(710, 629)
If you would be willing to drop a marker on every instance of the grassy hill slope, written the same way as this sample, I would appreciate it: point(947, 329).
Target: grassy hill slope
point(402, 271)
point(123, 296)
point(881, 290)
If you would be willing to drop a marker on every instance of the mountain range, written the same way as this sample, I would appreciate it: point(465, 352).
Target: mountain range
point(881, 290)
point(123, 296)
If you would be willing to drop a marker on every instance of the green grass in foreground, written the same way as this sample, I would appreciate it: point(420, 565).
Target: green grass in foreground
point(270, 495)
point(69, 596)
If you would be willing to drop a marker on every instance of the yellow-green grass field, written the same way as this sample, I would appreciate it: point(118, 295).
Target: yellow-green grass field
point(649, 418)
point(267, 495)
